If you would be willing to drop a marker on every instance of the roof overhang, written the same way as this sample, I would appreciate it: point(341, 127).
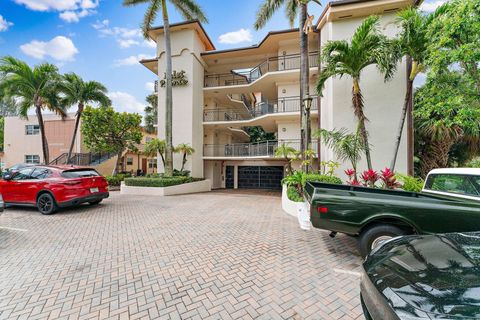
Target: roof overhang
point(150, 64)
point(347, 9)
point(154, 32)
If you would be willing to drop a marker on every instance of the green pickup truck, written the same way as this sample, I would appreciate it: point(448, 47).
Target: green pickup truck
point(449, 202)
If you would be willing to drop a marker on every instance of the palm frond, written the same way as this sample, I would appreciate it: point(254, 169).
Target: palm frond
point(266, 11)
point(129, 3)
point(291, 11)
point(190, 10)
point(150, 16)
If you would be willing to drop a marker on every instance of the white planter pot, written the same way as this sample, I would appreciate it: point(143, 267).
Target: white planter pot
point(288, 206)
point(303, 215)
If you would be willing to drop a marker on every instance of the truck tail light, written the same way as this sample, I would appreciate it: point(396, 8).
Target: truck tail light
point(322, 209)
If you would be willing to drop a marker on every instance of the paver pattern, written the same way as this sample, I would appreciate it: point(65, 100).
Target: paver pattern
point(206, 256)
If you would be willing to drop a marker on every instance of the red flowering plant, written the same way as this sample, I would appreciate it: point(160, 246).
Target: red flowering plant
point(389, 179)
point(369, 178)
point(352, 177)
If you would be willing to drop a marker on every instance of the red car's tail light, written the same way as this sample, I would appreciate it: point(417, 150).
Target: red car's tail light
point(322, 209)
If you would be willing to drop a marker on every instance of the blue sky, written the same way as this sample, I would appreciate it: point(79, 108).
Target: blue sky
point(100, 39)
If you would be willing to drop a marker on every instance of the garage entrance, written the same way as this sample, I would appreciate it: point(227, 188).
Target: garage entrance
point(260, 177)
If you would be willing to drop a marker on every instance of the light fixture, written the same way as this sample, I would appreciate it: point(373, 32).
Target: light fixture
point(307, 102)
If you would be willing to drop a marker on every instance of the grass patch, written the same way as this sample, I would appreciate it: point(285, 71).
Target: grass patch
point(159, 182)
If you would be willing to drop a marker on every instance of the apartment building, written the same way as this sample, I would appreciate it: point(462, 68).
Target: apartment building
point(23, 142)
point(217, 93)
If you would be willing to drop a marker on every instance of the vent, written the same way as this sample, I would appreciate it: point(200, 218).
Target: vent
point(343, 17)
point(390, 10)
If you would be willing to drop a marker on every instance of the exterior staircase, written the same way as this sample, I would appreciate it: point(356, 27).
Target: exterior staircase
point(83, 159)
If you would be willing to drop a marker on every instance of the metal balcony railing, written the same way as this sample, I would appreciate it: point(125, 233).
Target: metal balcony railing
point(280, 63)
point(256, 149)
point(287, 104)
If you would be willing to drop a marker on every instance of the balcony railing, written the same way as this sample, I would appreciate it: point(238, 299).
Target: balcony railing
point(280, 63)
point(257, 149)
point(287, 104)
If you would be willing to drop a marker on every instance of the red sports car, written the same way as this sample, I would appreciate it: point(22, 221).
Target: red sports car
point(52, 187)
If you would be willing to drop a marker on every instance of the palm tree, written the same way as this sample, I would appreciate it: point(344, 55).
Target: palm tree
point(347, 146)
point(186, 150)
point(367, 47)
point(156, 147)
point(292, 8)
point(288, 153)
point(77, 91)
point(412, 42)
point(189, 9)
point(35, 87)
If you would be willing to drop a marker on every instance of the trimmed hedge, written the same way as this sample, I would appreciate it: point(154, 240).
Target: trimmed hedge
point(314, 177)
point(115, 181)
point(159, 182)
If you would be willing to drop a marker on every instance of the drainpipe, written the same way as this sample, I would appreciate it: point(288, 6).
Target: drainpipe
point(319, 99)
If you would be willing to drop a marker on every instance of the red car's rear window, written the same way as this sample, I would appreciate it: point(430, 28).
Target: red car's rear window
point(80, 173)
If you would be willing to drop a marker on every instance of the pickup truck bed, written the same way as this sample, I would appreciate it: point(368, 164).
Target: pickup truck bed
point(352, 209)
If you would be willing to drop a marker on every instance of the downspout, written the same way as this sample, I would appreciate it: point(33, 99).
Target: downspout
point(319, 99)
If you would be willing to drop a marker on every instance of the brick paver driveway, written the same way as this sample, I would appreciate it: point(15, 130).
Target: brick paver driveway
point(205, 256)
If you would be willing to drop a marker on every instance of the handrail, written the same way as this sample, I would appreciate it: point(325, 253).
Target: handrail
point(280, 105)
point(255, 149)
point(272, 64)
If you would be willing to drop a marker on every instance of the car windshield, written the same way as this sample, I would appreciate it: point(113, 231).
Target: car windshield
point(80, 173)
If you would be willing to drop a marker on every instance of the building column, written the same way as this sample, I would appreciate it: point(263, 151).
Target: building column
point(235, 177)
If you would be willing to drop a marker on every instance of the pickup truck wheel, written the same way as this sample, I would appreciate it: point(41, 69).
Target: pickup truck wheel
point(376, 235)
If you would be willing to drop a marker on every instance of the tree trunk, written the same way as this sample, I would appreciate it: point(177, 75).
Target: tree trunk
point(77, 123)
point(437, 155)
point(304, 85)
point(398, 139)
point(168, 93)
point(117, 164)
point(184, 160)
point(357, 101)
point(38, 111)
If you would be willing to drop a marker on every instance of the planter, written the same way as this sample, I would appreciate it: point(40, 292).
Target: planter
point(303, 215)
point(288, 205)
point(186, 188)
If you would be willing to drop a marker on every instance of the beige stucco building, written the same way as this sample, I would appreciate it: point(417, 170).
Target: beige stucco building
point(228, 90)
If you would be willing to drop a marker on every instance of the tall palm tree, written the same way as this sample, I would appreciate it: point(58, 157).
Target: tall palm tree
point(413, 43)
point(186, 150)
point(367, 47)
point(33, 87)
point(347, 146)
point(292, 8)
point(76, 91)
point(189, 9)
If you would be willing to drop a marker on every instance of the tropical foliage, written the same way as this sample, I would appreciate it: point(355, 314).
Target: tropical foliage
point(185, 150)
point(151, 113)
point(189, 10)
point(35, 87)
point(75, 91)
point(105, 130)
point(288, 153)
point(349, 58)
point(156, 147)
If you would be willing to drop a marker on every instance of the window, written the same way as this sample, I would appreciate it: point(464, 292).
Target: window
point(152, 163)
point(80, 173)
point(32, 129)
point(41, 173)
point(148, 139)
point(459, 184)
point(23, 174)
point(32, 158)
point(129, 161)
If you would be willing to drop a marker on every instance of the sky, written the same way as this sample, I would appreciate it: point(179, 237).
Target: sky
point(101, 40)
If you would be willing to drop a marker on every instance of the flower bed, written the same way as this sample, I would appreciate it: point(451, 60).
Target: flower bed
point(164, 186)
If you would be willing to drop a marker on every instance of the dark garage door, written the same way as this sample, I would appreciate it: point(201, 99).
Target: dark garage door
point(256, 177)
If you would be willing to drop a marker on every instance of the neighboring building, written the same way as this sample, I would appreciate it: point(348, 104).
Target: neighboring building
point(218, 92)
point(23, 142)
point(134, 161)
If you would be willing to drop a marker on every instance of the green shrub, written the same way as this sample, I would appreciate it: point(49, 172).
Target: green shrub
point(159, 182)
point(116, 180)
point(410, 183)
point(314, 177)
point(293, 194)
point(474, 163)
point(178, 173)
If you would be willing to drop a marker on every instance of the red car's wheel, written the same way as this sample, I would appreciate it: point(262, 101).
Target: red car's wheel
point(46, 203)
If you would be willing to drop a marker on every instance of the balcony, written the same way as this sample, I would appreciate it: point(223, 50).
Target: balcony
point(247, 76)
point(282, 105)
point(265, 149)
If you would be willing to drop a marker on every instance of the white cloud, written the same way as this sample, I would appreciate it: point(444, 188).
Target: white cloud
point(123, 101)
point(430, 6)
point(59, 48)
point(150, 86)
point(130, 61)
point(125, 37)
point(242, 35)
point(70, 10)
point(4, 24)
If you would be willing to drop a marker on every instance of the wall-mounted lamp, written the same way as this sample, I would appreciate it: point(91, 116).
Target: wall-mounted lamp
point(307, 102)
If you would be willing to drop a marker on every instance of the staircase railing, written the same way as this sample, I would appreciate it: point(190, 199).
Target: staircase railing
point(83, 159)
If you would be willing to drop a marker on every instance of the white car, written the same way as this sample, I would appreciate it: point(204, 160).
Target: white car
point(458, 182)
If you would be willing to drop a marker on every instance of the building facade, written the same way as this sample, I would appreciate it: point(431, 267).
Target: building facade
point(217, 93)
